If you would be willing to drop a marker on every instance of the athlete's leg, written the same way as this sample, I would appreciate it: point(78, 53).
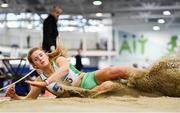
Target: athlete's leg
point(104, 76)
point(111, 73)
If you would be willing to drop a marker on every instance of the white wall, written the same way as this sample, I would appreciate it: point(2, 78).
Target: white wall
point(155, 47)
point(71, 40)
point(18, 36)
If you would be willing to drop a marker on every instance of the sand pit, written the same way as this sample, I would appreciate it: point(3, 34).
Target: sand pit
point(110, 104)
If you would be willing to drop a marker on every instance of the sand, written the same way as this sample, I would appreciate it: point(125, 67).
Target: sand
point(162, 77)
point(110, 104)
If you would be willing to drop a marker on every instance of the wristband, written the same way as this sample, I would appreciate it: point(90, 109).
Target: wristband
point(47, 82)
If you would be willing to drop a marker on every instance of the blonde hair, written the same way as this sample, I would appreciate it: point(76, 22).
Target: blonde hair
point(59, 51)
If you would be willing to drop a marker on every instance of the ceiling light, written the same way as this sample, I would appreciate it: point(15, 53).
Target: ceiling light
point(97, 2)
point(161, 21)
point(156, 28)
point(166, 13)
point(84, 20)
point(4, 5)
point(99, 14)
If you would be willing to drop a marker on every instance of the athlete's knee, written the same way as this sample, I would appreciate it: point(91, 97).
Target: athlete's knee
point(109, 70)
point(103, 86)
point(106, 84)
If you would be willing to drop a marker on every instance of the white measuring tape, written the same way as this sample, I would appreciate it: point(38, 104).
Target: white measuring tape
point(18, 80)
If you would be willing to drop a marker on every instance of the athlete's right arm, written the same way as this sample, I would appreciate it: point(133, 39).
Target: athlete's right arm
point(33, 94)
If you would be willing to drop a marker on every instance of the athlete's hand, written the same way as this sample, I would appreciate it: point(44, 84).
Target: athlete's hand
point(36, 83)
point(11, 92)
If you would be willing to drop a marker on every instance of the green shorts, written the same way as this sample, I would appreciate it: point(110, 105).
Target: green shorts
point(89, 81)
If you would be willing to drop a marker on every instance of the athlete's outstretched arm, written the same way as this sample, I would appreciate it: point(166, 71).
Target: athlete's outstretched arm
point(33, 94)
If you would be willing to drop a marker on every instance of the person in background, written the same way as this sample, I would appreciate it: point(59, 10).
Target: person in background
point(135, 65)
point(28, 41)
point(2, 70)
point(50, 31)
point(78, 58)
point(1, 64)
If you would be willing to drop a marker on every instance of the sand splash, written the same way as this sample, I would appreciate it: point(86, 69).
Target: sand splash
point(162, 78)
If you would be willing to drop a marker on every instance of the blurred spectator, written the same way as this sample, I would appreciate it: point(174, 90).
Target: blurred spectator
point(1, 64)
point(2, 71)
point(135, 65)
point(50, 31)
point(28, 41)
point(79, 64)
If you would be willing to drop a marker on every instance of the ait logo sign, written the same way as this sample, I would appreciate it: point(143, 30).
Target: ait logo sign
point(133, 45)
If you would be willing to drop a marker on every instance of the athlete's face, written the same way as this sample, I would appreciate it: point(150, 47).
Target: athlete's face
point(40, 59)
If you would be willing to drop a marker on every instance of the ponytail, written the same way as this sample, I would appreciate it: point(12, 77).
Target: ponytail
point(59, 51)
